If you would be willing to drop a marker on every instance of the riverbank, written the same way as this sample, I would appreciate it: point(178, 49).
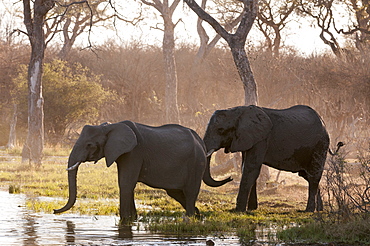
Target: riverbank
point(280, 204)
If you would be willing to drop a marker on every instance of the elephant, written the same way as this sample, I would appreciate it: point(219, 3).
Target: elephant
point(170, 157)
point(293, 139)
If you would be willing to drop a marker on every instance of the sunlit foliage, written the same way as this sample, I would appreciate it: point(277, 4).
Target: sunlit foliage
point(72, 93)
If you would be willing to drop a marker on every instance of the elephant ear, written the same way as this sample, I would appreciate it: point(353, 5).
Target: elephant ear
point(253, 126)
point(120, 139)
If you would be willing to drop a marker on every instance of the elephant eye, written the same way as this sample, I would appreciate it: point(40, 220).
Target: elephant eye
point(90, 146)
point(220, 130)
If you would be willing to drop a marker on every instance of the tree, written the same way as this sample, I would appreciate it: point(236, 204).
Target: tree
point(236, 42)
point(34, 21)
point(360, 26)
point(35, 14)
point(12, 52)
point(326, 17)
point(75, 18)
point(72, 94)
point(166, 9)
point(230, 18)
point(271, 19)
point(205, 44)
point(322, 12)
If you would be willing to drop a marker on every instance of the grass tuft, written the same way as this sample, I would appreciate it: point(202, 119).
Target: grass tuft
point(354, 232)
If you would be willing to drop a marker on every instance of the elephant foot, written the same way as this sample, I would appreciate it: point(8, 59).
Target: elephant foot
point(125, 232)
point(250, 212)
point(197, 214)
point(238, 210)
point(240, 207)
point(310, 207)
point(309, 210)
point(126, 221)
point(252, 206)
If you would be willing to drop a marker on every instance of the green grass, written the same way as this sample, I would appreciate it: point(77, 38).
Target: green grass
point(157, 212)
point(353, 232)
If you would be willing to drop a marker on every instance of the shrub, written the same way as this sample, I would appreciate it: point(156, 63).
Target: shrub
point(72, 93)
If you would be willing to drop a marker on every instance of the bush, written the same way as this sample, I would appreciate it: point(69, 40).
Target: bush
point(71, 94)
point(347, 186)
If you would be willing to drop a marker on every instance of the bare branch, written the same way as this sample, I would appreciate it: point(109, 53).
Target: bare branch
point(119, 17)
point(209, 19)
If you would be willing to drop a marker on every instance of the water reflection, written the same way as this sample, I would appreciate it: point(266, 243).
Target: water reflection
point(30, 230)
point(19, 226)
point(70, 234)
point(125, 232)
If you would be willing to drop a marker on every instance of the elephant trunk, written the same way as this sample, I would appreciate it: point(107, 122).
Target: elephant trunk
point(207, 178)
point(72, 187)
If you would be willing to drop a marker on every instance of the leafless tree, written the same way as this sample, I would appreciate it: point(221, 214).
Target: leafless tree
point(207, 44)
point(166, 10)
point(272, 17)
point(324, 12)
point(236, 42)
point(75, 18)
point(360, 26)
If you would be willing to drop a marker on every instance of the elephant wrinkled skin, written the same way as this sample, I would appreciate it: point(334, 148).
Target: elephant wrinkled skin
point(171, 157)
point(292, 139)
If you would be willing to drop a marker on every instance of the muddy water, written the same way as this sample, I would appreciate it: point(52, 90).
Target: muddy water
point(20, 226)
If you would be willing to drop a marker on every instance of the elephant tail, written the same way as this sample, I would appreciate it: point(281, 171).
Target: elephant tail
point(208, 180)
point(339, 144)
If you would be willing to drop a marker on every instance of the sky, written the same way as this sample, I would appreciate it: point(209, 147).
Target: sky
point(301, 36)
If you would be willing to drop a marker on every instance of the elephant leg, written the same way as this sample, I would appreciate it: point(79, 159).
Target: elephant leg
point(179, 196)
point(252, 202)
point(313, 177)
point(127, 209)
point(252, 163)
point(247, 182)
point(313, 192)
point(319, 204)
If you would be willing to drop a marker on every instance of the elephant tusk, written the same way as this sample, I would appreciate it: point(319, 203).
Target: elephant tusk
point(210, 152)
point(74, 166)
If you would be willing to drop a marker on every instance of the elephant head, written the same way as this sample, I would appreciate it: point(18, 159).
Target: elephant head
point(236, 129)
point(95, 142)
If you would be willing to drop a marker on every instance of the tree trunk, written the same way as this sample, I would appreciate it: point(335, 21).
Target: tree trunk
point(12, 133)
point(66, 49)
point(170, 101)
point(172, 110)
point(67, 44)
point(34, 23)
point(35, 137)
point(245, 72)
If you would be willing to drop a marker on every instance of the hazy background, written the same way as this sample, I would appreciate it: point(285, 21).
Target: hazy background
point(121, 77)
